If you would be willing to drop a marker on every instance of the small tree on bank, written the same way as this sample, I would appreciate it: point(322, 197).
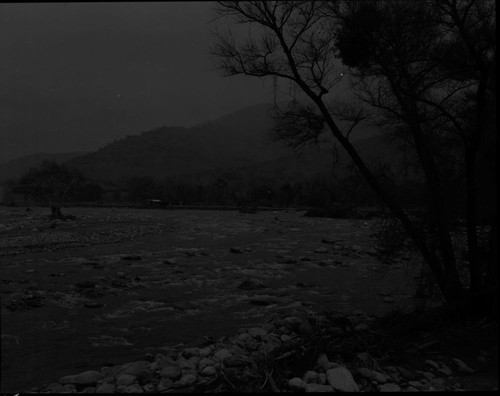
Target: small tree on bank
point(393, 48)
point(51, 183)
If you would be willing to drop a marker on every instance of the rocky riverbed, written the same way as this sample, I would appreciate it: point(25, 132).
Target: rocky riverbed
point(114, 286)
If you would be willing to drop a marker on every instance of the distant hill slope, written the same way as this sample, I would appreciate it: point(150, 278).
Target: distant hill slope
point(16, 168)
point(239, 141)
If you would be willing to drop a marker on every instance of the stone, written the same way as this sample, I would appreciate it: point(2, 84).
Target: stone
point(445, 371)
point(209, 371)
point(149, 388)
point(165, 383)
point(321, 250)
point(89, 389)
point(235, 361)
point(389, 388)
point(257, 332)
point(297, 384)
point(190, 352)
point(428, 375)
point(106, 388)
point(186, 380)
point(134, 388)
point(340, 379)
point(106, 380)
point(222, 354)
point(313, 388)
point(204, 362)
point(432, 363)
point(462, 366)
point(170, 372)
point(293, 322)
point(407, 374)
point(322, 378)
point(139, 368)
point(364, 359)
point(163, 361)
point(125, 379)
point(186, 364)
point(310, 377)
point(205, 352)
point(85, 378)
point(365, 373)
point(53, 388)
point(411, 389)
point(379, 377)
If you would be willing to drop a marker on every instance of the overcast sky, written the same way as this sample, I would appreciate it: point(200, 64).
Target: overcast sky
point(75, 76)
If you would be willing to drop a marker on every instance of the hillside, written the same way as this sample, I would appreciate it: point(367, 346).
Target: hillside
point(236, 142)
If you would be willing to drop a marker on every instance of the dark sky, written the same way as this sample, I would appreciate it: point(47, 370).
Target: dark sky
point(75, 76)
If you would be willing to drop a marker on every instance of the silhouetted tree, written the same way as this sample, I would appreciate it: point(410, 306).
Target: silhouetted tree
point(52, 183)
point(395, 49)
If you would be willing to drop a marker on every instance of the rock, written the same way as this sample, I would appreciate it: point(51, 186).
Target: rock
point(204, 352)
point(310, 377)
point(134, 388)
point(364, 359)
point(85, 378)
point(105, 388)
point(125, 379)
point(379, 377)
point(432, 363)
point(293, 322)
point(445, 371)
point(321, 250)
point(365, 373)
point(428, 375)
point(163, 361)
point(322, 378)
point(187, 380)
point(236, 250)
point(165, 383)
point(257, 332)
point(222, 354)
point(89, 389)
point(204, 362)
point(54, 388)
point(190, 352)
point(389, 388)
point(149, 388)
point(187, 364)
point(209, 371)
point(235, 361)
point(297, 384)
point(318, 388)
point(411, 389)
point(415, 384)
point(138, 368)
point(170, 372)
point(340, 379)
point(462, 367)
point(407, 374)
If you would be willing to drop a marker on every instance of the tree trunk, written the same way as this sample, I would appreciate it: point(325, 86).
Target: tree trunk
point(56, 211)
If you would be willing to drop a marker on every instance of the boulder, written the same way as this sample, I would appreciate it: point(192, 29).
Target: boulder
point(313, 388)
point(139, 368)
point(209, 371)
point(389, 388)
point(170, 372)
point(340, 379)
point(106, 388)
point(134, 388)
point(85, 378)
point(186, 380)
point(257, 332)
point(165, 383)
point(297, 384)
point(125, 379)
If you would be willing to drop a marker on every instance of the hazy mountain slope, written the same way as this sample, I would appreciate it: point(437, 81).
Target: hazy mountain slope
point(239, 140)
point(16, 168)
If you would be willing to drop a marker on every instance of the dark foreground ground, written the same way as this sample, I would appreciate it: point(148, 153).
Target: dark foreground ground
point(115, 284)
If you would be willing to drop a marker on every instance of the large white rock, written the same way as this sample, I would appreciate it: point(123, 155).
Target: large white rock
point(340, 379)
